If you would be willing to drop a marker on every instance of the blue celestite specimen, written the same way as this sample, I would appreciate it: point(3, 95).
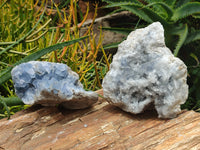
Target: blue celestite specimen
point(145, 72)
point(47, 83)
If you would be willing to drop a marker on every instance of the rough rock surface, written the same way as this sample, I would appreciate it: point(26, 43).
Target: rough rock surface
point(49, 84)
point(144, 72)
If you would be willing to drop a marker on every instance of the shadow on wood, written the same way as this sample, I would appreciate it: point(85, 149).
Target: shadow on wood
point(100, 127)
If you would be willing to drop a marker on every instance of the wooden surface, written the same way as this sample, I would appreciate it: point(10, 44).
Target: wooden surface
point(100, 127)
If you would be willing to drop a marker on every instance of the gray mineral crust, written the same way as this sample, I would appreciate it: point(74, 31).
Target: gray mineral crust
point(46, 83)
point(145, 72)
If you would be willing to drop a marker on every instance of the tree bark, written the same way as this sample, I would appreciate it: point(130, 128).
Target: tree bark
point(100, 127)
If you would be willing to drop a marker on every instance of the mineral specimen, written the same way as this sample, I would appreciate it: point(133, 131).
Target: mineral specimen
point(49, 84)
point(144, 72)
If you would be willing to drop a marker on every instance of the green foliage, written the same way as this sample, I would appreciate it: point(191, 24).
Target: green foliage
point(169, 14)
point(33, 30)
point(186, 10)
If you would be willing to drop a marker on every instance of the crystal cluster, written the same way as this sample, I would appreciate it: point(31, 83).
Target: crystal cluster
point(145, 72)
point(49, 83)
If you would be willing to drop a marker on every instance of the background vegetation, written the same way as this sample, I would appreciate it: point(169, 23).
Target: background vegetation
point(48, 31)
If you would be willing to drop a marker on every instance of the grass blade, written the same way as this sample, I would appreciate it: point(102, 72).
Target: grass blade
point(12, 101)
point(186, 10)
point(113, 45)
point(6, 107)
point(182, 36)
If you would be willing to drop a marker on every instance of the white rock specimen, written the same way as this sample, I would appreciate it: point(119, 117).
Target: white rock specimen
point(49, 84)
point(144, 72)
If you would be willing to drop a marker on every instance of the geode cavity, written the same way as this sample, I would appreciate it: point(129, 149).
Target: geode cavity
point(49, 84)
point(144, 72)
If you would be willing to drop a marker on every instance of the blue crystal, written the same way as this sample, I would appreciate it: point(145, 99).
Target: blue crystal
point(36, 81)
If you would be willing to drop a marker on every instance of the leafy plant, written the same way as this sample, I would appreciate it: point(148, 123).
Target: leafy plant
point(169, 14)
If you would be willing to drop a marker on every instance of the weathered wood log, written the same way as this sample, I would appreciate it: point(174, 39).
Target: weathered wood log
point(101, 127)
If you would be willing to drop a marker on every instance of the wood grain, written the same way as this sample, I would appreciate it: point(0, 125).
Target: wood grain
point(100, 127)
